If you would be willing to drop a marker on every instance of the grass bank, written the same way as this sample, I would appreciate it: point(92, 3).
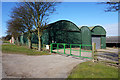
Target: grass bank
point(15, 49)
point(93, 70)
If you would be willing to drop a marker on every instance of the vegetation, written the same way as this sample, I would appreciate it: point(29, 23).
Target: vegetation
point(22, 13)
point(6, 38)
point(29, 17)
point(6, 42)
point(14, 49)
point(15, 27)
point(40, 12)
point(93, 70)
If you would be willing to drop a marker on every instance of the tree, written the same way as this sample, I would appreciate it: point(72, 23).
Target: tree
point(40, 12)
point(22, 13)
point(7, 37)
point(15, 27)
point(113, 6)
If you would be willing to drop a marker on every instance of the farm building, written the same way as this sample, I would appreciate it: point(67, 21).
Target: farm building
point(64, 31)
point(113, 41)
point(98, 35)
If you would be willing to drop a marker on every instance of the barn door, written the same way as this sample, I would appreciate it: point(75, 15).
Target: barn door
point(97, 41)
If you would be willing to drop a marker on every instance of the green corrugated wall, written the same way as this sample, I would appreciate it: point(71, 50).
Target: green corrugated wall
point(103, 42)
point(62, 32)
point(34, 38)
point(86, 37)
point(100, 31)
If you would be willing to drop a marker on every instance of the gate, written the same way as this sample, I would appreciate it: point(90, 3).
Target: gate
point(76, 50)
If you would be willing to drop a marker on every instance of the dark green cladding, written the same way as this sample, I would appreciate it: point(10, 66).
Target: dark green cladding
point(103, 42)
point(86, 37)
point(100, 31)
point(23, 39)
point(34, 38)
point(62, 32)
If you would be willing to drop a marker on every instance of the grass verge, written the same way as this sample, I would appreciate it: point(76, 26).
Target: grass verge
point(93, 70)
point(6, 42)
point(9, 48)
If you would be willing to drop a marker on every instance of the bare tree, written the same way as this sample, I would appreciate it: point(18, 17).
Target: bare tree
point(22, 13)
point(40, 12)
point(15, 27)
point(113, 5)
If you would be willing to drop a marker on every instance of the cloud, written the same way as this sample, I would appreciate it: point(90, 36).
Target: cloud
point(111, 29)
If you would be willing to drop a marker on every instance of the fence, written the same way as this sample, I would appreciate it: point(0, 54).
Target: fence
point(76, 50)
point(107, 59)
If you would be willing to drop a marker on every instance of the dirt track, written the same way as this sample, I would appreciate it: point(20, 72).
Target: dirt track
point(46, 66)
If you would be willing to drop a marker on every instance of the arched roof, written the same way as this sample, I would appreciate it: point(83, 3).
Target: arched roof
point(98, 30)
point(61, 21)
point(84, 27)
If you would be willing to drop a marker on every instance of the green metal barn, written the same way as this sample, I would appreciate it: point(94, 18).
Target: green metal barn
point(99, 37)
point(64, 31)
point(96, 34)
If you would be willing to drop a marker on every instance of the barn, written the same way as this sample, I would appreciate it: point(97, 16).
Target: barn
point(113, 41)
point(62, 31)
point(98, 35)
point(65, 31)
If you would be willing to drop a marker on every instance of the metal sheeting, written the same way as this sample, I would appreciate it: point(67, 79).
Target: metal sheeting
point(97, 40)
point(62, 32)
point(99, 31)
point(103, 42)
point(113, 39)
point(34, 38)
point(86, 36)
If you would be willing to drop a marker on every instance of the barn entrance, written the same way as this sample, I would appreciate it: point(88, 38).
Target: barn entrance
point(97, 40)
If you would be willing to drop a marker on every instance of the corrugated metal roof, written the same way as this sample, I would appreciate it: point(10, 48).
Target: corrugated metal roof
point(113, 39)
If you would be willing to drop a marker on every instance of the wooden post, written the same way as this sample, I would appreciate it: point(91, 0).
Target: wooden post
point(93, 50)
point(51, 47)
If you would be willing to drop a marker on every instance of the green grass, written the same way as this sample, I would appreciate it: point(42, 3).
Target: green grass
point(14, 49)
point(93, 70)
point(6, 42)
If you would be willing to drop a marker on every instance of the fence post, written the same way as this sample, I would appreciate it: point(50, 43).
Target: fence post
point(51, 47)
point(70, 49)
point(93, 50)
point(43, 46)
point(57, 47)
point(64, 48)
point(80, 50)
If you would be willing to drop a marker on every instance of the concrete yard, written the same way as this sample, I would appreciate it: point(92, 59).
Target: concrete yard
point(46, 66)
